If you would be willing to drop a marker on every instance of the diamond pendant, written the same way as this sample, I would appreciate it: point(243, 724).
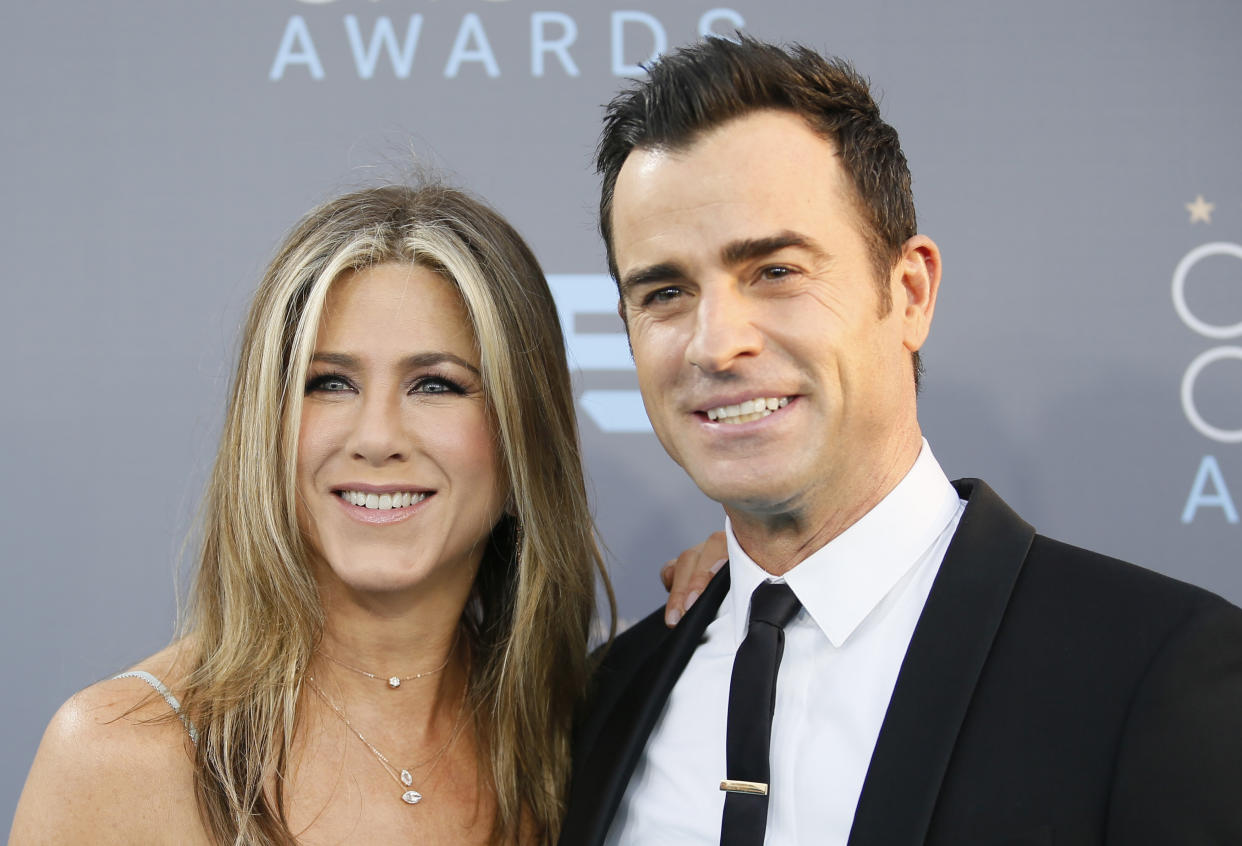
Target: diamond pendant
point(394, 682)
point(406, 778)
point(411, 797)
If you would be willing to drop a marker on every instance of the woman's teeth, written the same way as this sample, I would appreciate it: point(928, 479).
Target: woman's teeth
point(744, 412)
point(382, 501)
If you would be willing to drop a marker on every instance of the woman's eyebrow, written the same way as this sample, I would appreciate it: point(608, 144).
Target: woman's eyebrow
point(339, 359)
point(422, 359)
point(426, 359)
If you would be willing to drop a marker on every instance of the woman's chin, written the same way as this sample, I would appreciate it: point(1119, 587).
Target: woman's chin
point(399, 579)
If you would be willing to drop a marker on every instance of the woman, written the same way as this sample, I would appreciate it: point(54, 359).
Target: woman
point(387, 632)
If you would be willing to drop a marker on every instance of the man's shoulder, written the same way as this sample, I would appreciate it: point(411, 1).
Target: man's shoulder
point(1091, 583)
point(632, 646)
point(1073, 575)
point(1089, 573)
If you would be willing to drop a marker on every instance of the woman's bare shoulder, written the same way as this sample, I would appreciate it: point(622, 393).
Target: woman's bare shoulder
point(115, 766)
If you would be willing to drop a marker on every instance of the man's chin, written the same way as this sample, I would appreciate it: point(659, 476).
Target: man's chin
point(757, 499)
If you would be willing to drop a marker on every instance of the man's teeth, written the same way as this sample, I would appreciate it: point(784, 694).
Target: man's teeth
point(744, 412)
point(382, 501)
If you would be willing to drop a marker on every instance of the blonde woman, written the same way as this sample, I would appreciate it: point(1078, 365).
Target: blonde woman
point(387, 634)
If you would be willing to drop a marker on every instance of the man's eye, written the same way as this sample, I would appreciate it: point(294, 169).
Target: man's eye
point(662, 295)
point(774, 272)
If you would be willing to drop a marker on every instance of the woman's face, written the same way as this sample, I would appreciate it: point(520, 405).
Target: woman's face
point(399, 478)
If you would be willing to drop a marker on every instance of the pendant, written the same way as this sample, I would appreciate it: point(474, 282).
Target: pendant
point(411, 797)
point(394, 682)
point(406, 778)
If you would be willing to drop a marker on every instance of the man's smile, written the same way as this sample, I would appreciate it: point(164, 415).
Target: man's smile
point(747, 410)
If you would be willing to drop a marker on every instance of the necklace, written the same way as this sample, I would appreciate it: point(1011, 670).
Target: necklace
point(394, 682)
point(404, 776)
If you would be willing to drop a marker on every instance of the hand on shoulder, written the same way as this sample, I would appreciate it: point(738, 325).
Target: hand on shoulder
point(686, 576)
point(114, 766)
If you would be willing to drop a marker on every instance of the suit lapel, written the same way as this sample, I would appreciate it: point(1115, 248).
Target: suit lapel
point(617, 741)
point(938, 675)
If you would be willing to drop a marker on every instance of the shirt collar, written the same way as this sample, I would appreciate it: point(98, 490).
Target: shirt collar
point(843, 581)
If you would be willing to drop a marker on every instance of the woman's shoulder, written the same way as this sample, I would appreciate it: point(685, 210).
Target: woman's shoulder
point(115, 765)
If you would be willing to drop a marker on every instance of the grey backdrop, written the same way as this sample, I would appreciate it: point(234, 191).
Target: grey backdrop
point(1067, 158)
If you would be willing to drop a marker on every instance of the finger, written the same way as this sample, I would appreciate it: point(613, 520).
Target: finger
point(681, 569)
point(666, 575)
point(700, 578)
point(711, 556)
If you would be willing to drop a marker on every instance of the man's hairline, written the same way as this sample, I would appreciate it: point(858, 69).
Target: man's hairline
point(868, 229)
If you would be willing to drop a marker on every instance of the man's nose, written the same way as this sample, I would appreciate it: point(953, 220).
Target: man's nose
point(725, 330)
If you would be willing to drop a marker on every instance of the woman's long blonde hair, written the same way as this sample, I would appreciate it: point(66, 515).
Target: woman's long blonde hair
point(254, 615)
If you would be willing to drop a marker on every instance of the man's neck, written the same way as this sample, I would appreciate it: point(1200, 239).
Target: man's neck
point(780, 540)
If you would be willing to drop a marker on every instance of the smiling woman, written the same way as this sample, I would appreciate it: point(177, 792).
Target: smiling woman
point(395, 432)
point(398, 566)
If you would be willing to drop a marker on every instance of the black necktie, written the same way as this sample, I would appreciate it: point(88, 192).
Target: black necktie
point(752, 699)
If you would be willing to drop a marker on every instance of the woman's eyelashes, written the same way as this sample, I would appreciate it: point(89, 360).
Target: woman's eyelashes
point(427, 383)
point(328, 383)
point(437, 383)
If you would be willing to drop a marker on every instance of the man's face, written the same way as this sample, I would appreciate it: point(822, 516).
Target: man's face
point(765, 365)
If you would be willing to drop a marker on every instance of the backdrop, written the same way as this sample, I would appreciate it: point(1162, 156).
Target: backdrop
point(1077, 163)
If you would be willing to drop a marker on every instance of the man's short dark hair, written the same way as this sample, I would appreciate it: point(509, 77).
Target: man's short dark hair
point(697, 88)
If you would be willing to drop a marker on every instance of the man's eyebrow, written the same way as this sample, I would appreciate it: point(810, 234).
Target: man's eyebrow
point(653, 274)
point(423, 359)
point(749, 249)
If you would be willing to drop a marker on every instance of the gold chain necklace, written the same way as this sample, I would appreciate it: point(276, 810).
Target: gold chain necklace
point(394, 682)
point(404, 777)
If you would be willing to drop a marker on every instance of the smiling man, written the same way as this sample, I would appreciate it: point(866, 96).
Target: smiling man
point(888, 658)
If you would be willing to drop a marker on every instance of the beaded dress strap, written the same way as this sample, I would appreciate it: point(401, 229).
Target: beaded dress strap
point(163, 691)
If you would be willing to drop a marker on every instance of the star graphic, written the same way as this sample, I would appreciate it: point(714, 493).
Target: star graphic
point(1200, 210)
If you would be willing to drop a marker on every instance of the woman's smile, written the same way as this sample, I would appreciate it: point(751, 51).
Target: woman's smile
point(382, 509)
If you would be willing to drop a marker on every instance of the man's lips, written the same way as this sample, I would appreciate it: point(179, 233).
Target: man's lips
point(746, 410)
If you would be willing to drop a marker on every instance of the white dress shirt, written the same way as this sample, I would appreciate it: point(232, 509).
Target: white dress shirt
point(862, 595)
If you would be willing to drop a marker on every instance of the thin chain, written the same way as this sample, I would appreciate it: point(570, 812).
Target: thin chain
point(395, 681)
point(388, 766)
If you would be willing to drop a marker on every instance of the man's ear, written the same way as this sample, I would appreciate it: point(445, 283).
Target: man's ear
point(916, 282)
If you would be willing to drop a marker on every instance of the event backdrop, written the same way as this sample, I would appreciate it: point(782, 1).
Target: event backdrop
point(1077, 163)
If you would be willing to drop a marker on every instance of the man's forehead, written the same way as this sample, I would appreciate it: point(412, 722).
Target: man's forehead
point(743, 154)
point(751, 178)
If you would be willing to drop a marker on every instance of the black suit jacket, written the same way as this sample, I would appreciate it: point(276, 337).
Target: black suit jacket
point(1049, 695)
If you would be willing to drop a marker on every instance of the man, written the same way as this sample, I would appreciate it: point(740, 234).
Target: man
point(948, 676)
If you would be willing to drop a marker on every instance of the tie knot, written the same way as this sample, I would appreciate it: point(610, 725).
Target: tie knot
point(773, 603)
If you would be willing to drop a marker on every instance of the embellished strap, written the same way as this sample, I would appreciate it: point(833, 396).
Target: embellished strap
point(163, 691)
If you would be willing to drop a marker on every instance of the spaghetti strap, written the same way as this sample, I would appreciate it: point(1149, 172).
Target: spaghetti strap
point(163, 691)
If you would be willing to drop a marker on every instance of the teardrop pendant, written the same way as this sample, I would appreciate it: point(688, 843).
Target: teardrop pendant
point(411, 797)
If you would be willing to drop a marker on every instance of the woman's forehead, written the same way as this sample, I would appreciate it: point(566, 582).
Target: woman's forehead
point(395, 307)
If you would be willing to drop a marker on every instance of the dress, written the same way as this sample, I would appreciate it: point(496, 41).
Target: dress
point(162, 690)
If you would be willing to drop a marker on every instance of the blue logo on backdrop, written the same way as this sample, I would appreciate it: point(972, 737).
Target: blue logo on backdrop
point(1208, 490)
point(635, 38)
point(593, 295)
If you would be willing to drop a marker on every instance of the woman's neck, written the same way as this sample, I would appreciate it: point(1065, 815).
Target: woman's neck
point(393, 657)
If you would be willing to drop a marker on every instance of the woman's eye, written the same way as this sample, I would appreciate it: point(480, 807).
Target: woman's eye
point(328, 383)
point(437, 385)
